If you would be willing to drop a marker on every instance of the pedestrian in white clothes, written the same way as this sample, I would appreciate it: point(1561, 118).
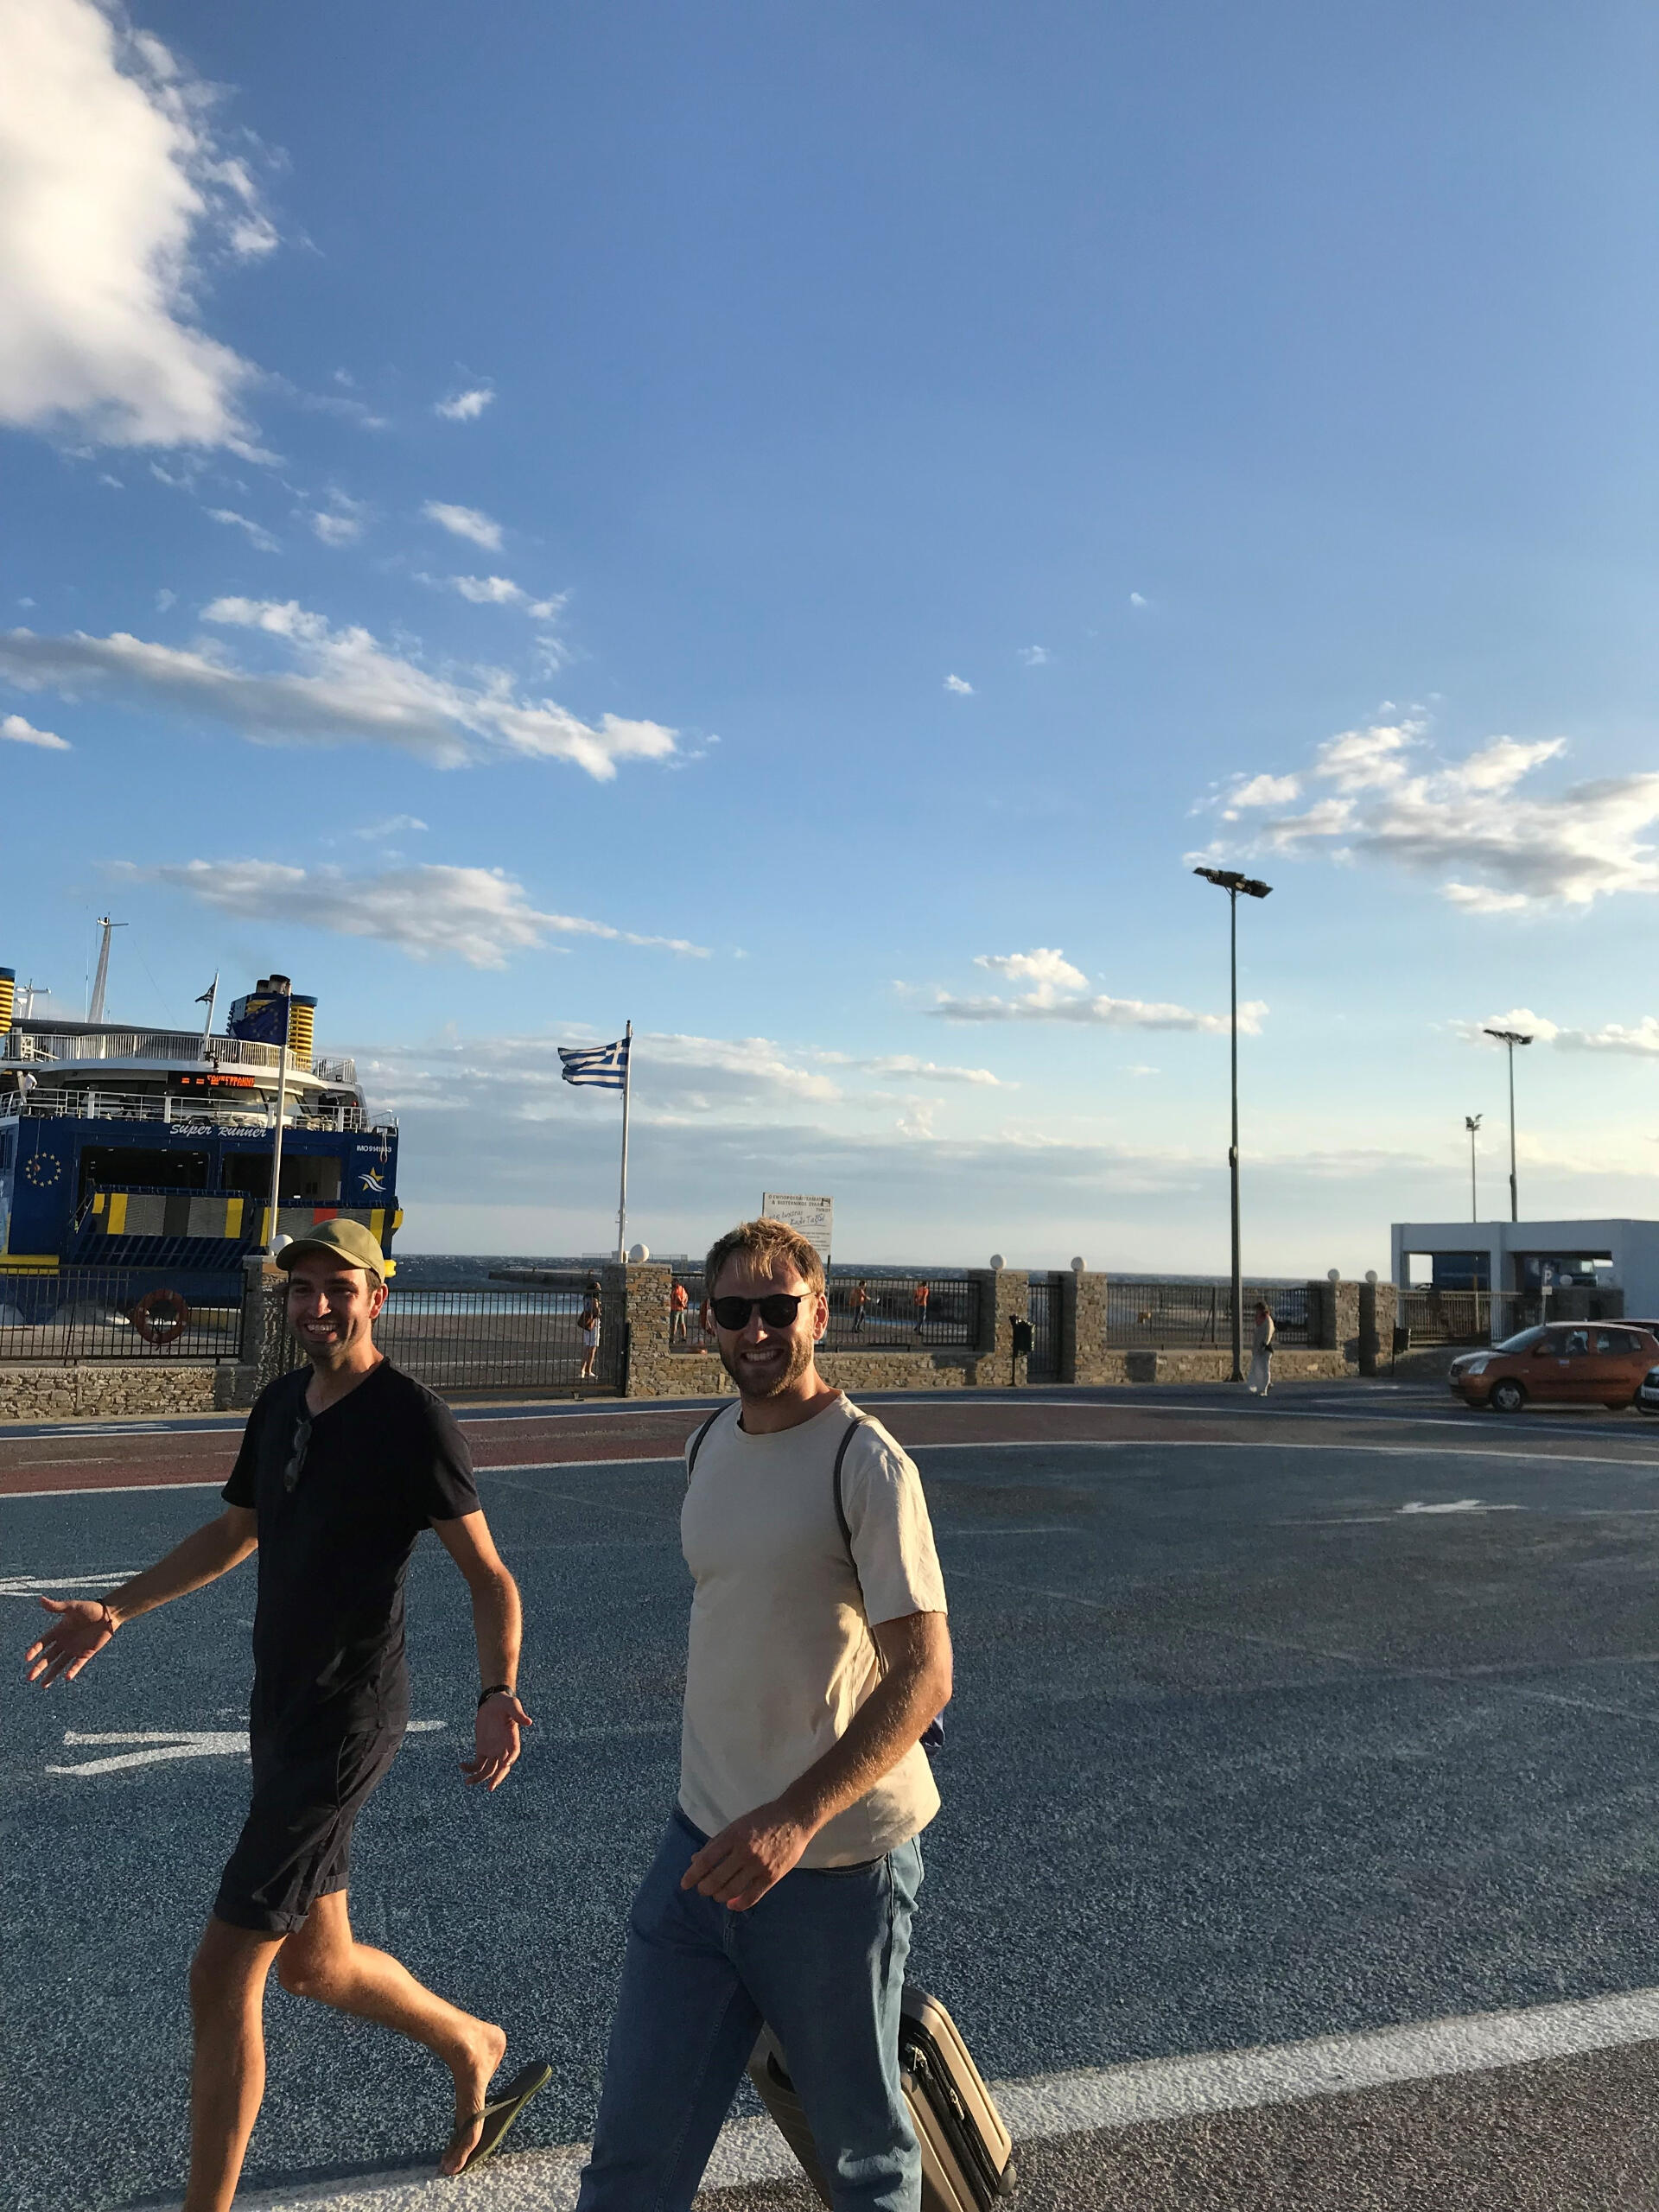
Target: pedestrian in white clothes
point(1262, 1351)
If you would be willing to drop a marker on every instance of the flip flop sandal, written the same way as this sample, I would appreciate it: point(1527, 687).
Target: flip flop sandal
point(499, 2114)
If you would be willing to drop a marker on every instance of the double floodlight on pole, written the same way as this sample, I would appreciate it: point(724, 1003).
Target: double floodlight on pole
point(1511, 1038)
point(1472, 1122)
point(1229, 881)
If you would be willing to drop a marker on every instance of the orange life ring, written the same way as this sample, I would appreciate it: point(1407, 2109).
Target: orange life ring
point(159, 1316)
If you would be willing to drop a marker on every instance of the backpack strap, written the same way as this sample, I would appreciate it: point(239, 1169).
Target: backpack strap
point(697, 1444)
point(841, 1449)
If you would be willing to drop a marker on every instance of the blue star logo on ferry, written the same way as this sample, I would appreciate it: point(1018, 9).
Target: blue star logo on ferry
point(372, 1179)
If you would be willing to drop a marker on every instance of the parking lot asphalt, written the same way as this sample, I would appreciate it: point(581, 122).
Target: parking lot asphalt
point(1272, 1723)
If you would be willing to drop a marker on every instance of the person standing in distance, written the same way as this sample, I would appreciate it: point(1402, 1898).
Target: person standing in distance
point(343, 1464)
point(1261, 1376)
point(784, 1887)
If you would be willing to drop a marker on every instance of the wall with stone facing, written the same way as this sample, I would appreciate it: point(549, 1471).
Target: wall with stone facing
point(106, 1390)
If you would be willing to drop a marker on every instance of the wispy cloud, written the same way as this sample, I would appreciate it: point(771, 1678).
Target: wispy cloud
point(469, 523)
point(255, 536)
point(1135, 599)
point(466, 406)
point(1377, 793)
point(501, 591)
point(341, 520)
point(960, 685)
point(394, 825)
point(343, 687)
point(1059, 993)
point(117, 196)
point(19, 731)
point(478, 915)
point(1640, 1040)
point(1034, 656)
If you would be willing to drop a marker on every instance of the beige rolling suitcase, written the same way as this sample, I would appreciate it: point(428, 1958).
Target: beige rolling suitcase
point(967, 2157)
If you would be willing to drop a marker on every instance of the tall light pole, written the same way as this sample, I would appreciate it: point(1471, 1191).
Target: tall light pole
point(1472, 1122)
point(1511, 1038)
point(1229, 881)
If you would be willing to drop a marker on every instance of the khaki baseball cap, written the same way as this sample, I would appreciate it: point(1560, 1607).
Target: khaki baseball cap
point(339, 1239)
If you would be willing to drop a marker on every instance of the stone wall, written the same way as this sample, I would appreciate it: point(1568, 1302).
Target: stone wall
point(107, 1391)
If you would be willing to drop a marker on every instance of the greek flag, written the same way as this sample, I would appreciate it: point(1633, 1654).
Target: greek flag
point(604, 1066)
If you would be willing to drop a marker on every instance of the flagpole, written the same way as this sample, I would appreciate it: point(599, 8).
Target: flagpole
point(276, 1146)
point(622, 1202)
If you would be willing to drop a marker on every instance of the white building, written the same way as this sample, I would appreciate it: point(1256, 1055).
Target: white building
point(1531, 1256)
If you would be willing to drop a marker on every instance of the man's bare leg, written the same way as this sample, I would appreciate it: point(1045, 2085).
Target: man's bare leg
point(325, 1960)
point(227, 2075)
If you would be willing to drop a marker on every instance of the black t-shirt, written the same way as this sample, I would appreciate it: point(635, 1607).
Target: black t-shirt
point(380, 1465)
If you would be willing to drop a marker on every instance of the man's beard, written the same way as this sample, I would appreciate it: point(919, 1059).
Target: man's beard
point(788, 1372)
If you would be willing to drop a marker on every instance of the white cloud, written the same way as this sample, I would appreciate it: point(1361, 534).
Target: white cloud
point(916, 1121)
point(1059, 993)
point(340, 522)
point(164, 598)
point(960, 685)
point(480, 915)
point(1261, 791)
point(1034, 656)
point(501, 591)
point(345, 687)
point(114, 192)
point(1496, 848)
point(1614, 1037)
point(1641, 1039)
point(395, 825)
point(466, 406)
point(1135, 599)
point(931, 1071)
point(257, 536)
point(1046, 967)
point(21, 732)
point(465, 522)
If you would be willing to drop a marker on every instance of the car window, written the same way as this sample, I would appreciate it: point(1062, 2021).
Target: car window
point(1617, 1340)
point(1577, 1343)
point(1525, 1340)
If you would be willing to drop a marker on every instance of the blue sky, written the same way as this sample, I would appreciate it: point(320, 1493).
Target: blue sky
point(797, 528)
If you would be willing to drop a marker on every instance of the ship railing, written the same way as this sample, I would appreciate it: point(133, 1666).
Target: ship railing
point(215, 1114)
point(37, 1047)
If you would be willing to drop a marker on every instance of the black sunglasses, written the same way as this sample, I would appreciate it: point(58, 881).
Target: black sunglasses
point(777, 1311)
point(296, 1466)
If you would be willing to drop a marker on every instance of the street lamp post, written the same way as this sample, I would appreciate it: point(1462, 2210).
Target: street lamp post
point(1511, 1038)
point(1472, 1122)
point(1229, 881)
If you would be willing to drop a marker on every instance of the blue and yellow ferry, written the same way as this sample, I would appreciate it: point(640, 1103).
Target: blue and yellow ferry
point(150, 1150)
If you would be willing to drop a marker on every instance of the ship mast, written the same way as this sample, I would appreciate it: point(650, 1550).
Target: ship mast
point(95, 1010)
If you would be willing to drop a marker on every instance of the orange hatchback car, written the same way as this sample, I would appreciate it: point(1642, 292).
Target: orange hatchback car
point(1564, 1363)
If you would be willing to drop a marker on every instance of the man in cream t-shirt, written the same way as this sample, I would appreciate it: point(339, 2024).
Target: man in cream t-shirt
point(784, 1887)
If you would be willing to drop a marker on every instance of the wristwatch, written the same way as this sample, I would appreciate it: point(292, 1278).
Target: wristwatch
point(495, 1690)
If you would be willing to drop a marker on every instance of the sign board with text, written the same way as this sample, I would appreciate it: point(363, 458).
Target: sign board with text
point(815, 1218)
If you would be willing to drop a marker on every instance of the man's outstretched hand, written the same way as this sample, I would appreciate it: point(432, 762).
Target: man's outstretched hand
point(80, 1631)
point(740, 1865)
point(495, 1740)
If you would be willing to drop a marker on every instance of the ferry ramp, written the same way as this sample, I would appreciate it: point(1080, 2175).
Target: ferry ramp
point(1298, 1845)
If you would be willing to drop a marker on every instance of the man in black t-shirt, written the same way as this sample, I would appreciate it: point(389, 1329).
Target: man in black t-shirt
point(342, 1464)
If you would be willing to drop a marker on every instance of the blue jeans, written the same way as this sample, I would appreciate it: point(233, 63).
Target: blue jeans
point(821, 1960)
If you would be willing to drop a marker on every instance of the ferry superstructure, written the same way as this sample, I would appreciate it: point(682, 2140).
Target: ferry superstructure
point(150, 1150)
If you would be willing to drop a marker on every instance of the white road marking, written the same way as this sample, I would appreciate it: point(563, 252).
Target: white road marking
point(165, 1744)
point(1458, 1505)
point(1648, 1466)
point(1049, 2105)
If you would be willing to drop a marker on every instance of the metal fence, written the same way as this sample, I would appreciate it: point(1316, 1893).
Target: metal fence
point(1465, 1317)
point(523, 1338)
point(82, 1313)
point(872, 1312)
point(1168, 1314)
point(1043, 1312)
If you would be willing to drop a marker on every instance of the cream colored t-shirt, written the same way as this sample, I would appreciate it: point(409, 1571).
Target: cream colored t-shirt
point(781, 1655)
